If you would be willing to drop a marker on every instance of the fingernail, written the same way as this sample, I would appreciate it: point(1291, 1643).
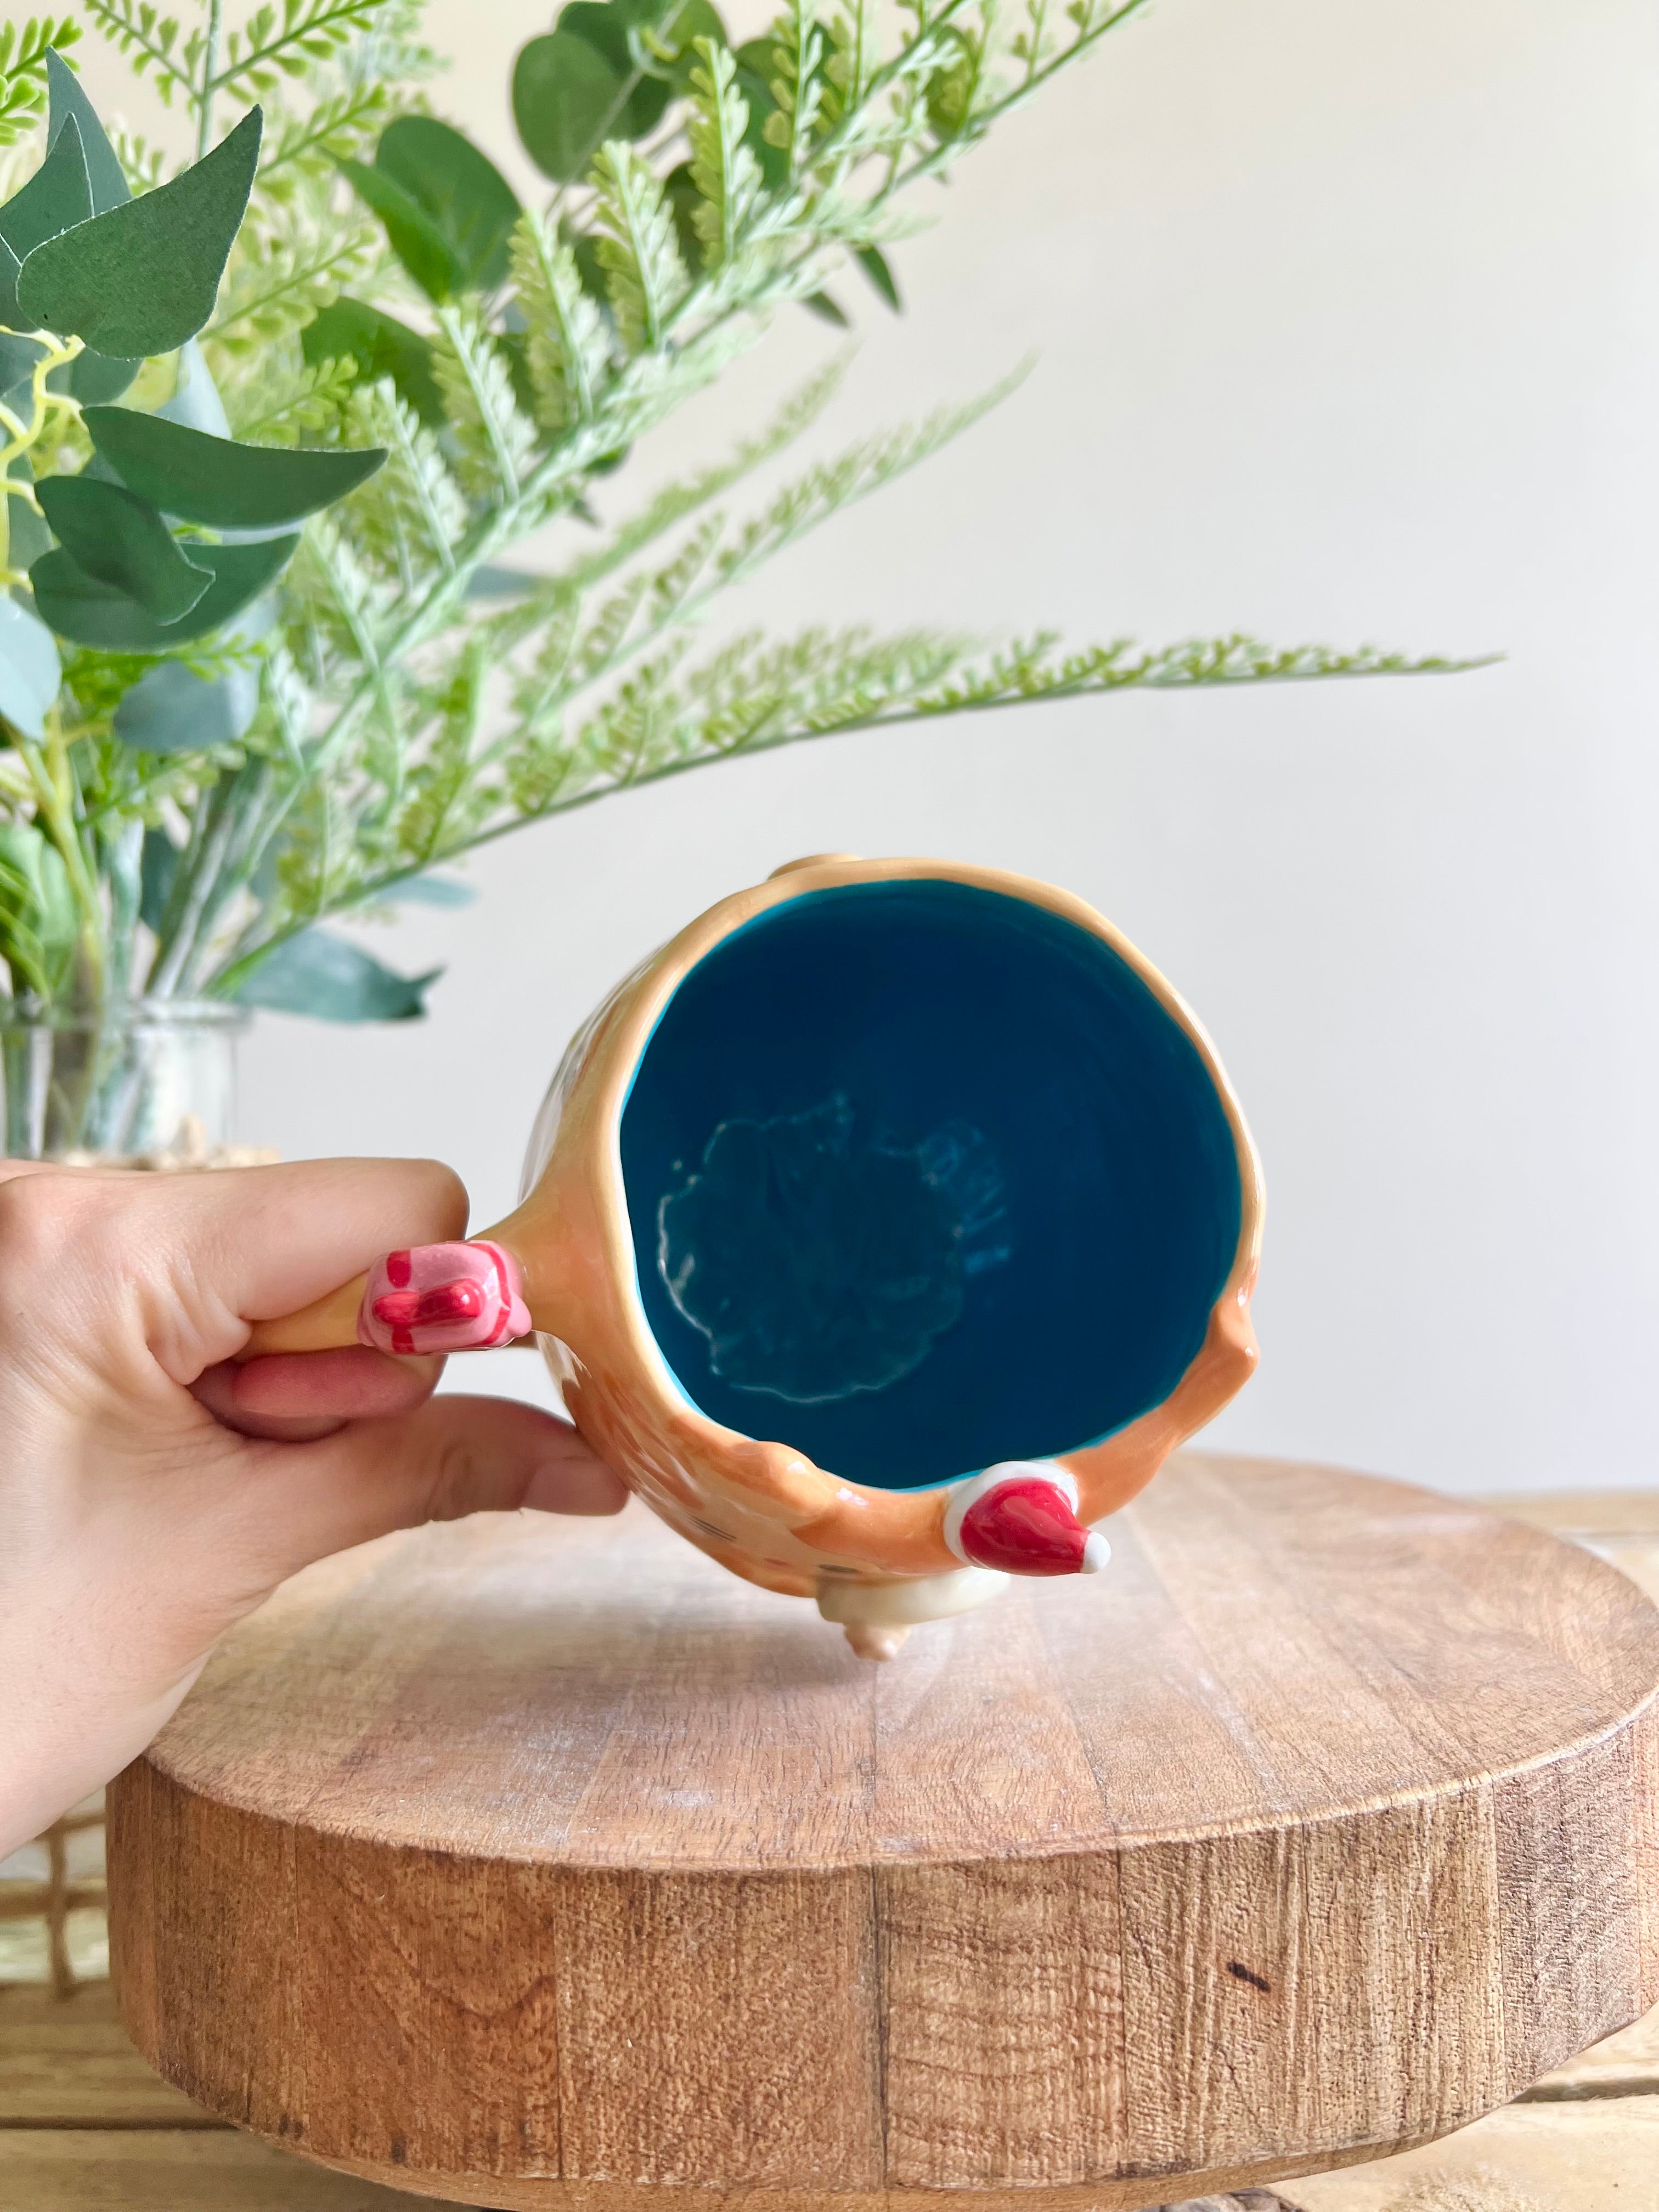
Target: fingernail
point(444, 1298)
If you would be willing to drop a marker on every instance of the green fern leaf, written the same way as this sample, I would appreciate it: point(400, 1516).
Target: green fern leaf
point(289, 404)
point(23, 50)
point(144, 166)
point(539, 690)
point(1035, 670)
point(271, 45)
point(853, 59)
point(150, 43)
point(408, 517)
point(644, 274)
point(725, 174)
point(830, 486)
point(797, 89)
point(279, 280)
point(676, 502)
point(568, 351)
point(495, 444)
point(347, 597)
point(442, 801)
point(308, 147)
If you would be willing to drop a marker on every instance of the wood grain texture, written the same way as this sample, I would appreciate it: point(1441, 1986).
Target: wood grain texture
point(1622, 2065)
point(536, 1865)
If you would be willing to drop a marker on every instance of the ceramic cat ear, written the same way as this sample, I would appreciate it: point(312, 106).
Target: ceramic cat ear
point(886, 1230)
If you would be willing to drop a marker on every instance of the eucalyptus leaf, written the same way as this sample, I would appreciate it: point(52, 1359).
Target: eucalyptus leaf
point(756, 55)
point(38, 926)
point(158, 868)
point(874, 262)
point(171, 709)
point(491, 581)
point(216, 481)
point(106, 175)
point(26, 535)
point(366, 752)
point(416, 241)
point(665, 38)
point(320, 973)
point(821, 305)
point(459, 189)
point(78, 606)
point(680, 190)
point(566, 101)
point(118, 538)
point(56, 197)
point(142, 278)
point(641, 98)
point(94, 377)
point(605, 26)
point(18, 357)
point(195, 400)
point(590, 269)
point(514, 348)
point(30, 671)
point(753, 81)
point(381, 347)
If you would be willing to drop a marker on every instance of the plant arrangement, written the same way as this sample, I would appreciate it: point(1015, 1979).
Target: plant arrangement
point(273, 422)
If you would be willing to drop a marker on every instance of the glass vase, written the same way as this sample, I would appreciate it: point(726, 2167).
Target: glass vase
point(146, 1083)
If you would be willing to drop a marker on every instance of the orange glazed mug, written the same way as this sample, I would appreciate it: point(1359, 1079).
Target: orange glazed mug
point(889, 1226)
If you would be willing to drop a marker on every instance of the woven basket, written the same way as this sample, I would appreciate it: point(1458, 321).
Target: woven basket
point(52, 1927)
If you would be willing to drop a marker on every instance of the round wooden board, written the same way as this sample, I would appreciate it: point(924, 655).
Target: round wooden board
point(540, 1864)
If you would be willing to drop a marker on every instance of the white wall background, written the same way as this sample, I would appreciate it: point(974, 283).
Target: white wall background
point(1348, 321)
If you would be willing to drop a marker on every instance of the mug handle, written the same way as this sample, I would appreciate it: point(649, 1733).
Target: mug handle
point(463, 1296)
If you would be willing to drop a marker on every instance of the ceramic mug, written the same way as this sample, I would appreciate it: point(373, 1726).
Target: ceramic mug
point(885, 1229)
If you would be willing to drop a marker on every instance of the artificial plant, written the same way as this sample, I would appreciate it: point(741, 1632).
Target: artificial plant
point(276, 419)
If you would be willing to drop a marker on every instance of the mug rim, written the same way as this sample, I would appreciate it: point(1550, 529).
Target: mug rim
point(619, 1052)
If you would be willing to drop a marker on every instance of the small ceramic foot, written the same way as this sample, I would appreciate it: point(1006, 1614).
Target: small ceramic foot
point(877, 1616)
point(872, 1641)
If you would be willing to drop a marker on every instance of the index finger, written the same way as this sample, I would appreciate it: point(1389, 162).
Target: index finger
point(271, 1239)
point(205, 1254)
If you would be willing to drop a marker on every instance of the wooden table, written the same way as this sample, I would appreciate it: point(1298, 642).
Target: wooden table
point(84, 2122)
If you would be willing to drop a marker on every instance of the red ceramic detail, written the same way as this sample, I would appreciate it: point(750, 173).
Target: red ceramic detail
point(443, 1298)
point(1025, 1527)
point(418, 1308)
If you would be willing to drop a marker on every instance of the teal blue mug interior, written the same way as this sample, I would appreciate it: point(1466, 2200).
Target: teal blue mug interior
point(922, 1177)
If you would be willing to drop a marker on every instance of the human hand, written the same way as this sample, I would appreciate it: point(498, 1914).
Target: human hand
point(152, 1492)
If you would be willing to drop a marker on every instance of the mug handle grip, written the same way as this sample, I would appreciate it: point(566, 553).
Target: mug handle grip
point(464, 1297)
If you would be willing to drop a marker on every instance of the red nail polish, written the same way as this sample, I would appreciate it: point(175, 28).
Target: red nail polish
point(444, 1298)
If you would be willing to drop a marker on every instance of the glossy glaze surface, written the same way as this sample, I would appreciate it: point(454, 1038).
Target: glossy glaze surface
point(956, 1186)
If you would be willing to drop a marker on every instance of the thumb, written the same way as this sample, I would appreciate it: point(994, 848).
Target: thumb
point(453, 1456)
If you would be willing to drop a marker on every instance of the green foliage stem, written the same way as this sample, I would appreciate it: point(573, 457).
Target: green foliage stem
point(434, 377)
